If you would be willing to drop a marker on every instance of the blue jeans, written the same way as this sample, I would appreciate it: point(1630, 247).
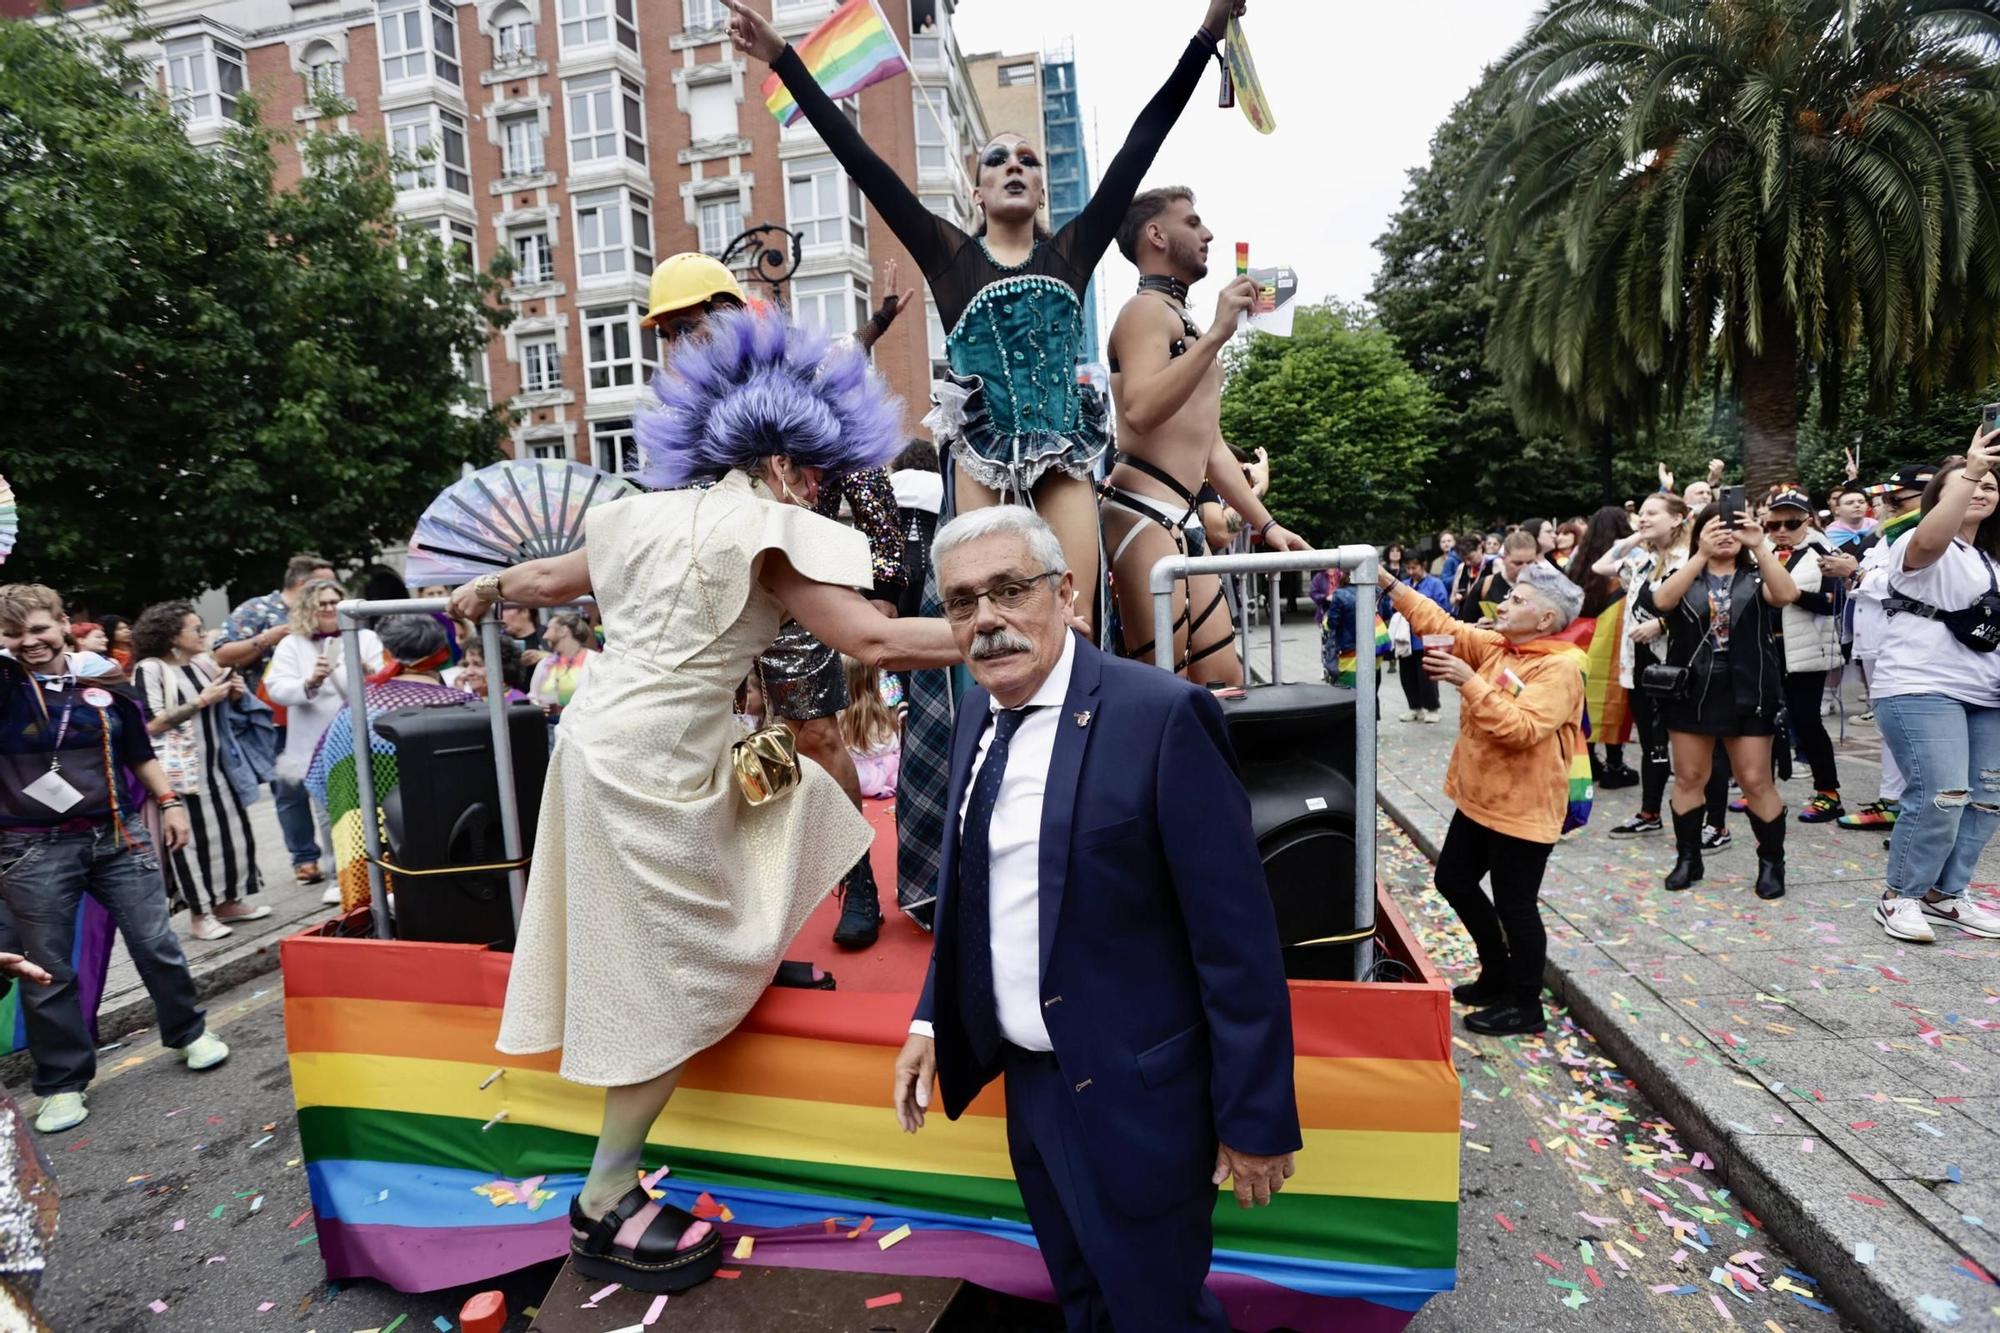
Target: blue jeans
point(1949, 754)
point(43, 878)
point(295, 819)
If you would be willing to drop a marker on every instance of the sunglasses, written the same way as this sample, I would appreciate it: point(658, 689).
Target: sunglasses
point(1783, 525)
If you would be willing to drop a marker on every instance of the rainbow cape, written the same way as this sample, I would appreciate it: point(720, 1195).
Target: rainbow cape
point(852, 50)
point(1383, 648)
point(423, 1144)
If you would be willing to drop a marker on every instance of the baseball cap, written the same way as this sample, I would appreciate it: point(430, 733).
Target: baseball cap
point(1910, 477)
point(1790, 497)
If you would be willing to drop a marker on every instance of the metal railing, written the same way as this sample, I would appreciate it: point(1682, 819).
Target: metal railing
point(354, 616)
point(1362, 562)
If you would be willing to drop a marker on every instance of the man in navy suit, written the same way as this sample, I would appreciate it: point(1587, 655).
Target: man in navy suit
point(1104, 939)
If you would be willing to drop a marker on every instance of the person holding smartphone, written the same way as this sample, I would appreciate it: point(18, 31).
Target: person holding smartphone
point(1935, 686)
point(1723, 677)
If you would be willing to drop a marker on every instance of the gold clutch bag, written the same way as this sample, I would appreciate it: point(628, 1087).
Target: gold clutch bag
point(767, 764)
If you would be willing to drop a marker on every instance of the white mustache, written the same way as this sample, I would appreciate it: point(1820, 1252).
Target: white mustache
point(998, 643)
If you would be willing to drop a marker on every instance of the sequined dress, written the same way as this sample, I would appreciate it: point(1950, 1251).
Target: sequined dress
point(1012, 409)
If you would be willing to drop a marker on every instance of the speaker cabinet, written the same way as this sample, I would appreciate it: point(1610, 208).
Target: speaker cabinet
point(445, 812)
point(1295, 747)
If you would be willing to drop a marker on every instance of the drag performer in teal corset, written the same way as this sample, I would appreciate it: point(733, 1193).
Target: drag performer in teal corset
point(1011, 420)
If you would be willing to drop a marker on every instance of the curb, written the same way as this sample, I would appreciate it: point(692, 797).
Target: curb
point(134, 1013)
point(1813, 1227)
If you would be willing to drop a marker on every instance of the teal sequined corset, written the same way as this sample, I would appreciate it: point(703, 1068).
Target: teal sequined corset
point(1013, 354)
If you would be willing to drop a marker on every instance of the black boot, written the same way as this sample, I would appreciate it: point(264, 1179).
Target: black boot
point(1770, 855)
point(1480, 994)
point(1513, 1018)
point(1687, 851)
point(860, 908)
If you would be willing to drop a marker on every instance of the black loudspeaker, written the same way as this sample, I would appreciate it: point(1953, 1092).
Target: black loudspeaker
point(1295, 746)
point(445, 812)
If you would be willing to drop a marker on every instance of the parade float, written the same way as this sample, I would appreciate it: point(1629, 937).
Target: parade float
point(435, 1161)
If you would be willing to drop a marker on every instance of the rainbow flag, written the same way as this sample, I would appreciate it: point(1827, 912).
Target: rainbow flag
point(852, 50)
point(416, 1133)
point(89, 957)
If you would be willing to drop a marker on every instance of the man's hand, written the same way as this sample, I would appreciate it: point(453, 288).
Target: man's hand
point(14, 965)
point(468, 602)
point(1257, 1178)
point(175, 831)
point(1385, 578)
point(1280, 538)
point(1441, 664)
point(1666, 477)
point(1838, 565)
point(752, 33)
point(916, 1068)
point(1715, 471)
point(1853, 464)
point(1258, 474)
point(1231, 301)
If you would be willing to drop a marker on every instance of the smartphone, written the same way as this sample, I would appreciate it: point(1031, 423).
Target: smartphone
point(1732, 501)
point(1990, 415)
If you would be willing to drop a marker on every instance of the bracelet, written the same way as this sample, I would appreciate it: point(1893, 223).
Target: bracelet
point(168, 802)
point(1269, 523)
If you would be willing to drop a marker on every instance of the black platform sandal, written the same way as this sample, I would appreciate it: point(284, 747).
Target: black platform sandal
point(802, 976)
point(653, 1265)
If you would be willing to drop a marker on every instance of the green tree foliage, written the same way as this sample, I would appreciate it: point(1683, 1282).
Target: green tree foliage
point(1433, 299)
point(1347, 424)
point(1774, 186)
point(203, 373)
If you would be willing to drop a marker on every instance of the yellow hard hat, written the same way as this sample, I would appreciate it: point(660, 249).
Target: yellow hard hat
point(685, 280)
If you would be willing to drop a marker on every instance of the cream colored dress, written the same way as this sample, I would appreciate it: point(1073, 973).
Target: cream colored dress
point(660, 902)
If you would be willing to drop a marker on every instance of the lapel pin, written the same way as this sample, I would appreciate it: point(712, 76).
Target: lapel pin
point(1083, 718)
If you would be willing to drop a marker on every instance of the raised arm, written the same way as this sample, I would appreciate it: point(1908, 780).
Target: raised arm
point(930, 240)
point(1089, 233)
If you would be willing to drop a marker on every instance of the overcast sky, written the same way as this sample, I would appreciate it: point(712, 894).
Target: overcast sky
point(1357, 87)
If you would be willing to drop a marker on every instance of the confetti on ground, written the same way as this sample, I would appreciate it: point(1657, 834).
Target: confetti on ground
point(301, 1218)
point(441, 1324)
point(656, 1309)
point(889, 1298)
point(901, 1233)
point(394, 1324)
point(602, 1292)
point(157, 1307)
point(265, 1307)
point(744, 1245)
point(180, 1224)
point(1864, 1252)
point(728, 1274)
point(867, 1224)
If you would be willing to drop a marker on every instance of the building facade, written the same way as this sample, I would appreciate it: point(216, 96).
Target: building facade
point(1068, 166)
point(588, 139)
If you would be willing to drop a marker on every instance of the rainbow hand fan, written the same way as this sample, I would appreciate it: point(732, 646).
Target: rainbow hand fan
point(10, 522)
point(519, 510)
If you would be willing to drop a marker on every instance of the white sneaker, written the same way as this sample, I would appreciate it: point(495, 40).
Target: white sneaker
point(61, 1111)
point(332, 895)
point(1971, 917)
point(1827, 709)
point(204, 1052)
point(1902, 919)
point(1414, 715)
point(206, 927)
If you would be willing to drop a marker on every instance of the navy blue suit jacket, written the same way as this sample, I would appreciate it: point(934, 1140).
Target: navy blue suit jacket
point(1162, 984)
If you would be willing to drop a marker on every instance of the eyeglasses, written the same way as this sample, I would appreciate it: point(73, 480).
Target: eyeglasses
point(333, 605)
point(1009, 596)
point(1783, 525)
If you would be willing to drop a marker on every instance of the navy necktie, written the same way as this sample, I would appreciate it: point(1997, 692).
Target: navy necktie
point(975, 881)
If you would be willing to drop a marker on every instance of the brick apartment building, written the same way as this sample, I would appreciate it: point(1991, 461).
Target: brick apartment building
point(588, 139)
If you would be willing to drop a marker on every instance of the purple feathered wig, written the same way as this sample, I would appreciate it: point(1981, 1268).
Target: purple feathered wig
point(756, 385)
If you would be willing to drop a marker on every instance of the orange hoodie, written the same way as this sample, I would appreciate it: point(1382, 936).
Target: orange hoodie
point(1520, 721)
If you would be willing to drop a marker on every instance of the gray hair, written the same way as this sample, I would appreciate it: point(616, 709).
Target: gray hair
point(410, 639)
point(1018, 519)
point(1556, 591)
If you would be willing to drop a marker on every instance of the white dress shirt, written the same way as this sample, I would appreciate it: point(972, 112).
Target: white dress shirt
point(1014, 895)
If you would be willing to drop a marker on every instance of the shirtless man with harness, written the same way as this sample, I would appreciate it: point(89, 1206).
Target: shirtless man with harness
point(1166, 382)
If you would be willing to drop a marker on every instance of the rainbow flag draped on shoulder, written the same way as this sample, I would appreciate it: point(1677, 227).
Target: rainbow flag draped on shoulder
point(852, 50)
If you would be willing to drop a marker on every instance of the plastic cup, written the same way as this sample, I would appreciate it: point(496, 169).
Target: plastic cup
point(1440, 642)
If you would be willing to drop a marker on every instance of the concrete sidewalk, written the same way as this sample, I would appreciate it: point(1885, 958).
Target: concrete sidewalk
point(1847, 1085)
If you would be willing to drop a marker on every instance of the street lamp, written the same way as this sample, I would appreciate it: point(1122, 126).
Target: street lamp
point(775, 262)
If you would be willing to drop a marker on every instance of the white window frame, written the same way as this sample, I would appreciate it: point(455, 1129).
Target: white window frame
point(801, 130)
point(614, 234)
point(205, 78)
point(534, 256)
point(325, 72)
point(412, 130)
point(607, 117)
point(541, 364)
point(718, 220)
point(513, 34)
point(937, 143)
point(555, 449)
point(719, 90)
point(618, 354)
point(612, 442)
point(833, 303)
point(586, 23)
point(833, 214)
point(434, 51)
point(703, 15)
point(521, 148)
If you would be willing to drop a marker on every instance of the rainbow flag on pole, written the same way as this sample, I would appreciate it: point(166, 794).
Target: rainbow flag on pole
point(852, 50)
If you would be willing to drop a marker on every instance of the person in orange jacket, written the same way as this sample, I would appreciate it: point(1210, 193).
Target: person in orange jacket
point(1520, 722)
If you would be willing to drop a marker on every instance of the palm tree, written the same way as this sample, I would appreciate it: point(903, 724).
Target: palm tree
point(1784, 186)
